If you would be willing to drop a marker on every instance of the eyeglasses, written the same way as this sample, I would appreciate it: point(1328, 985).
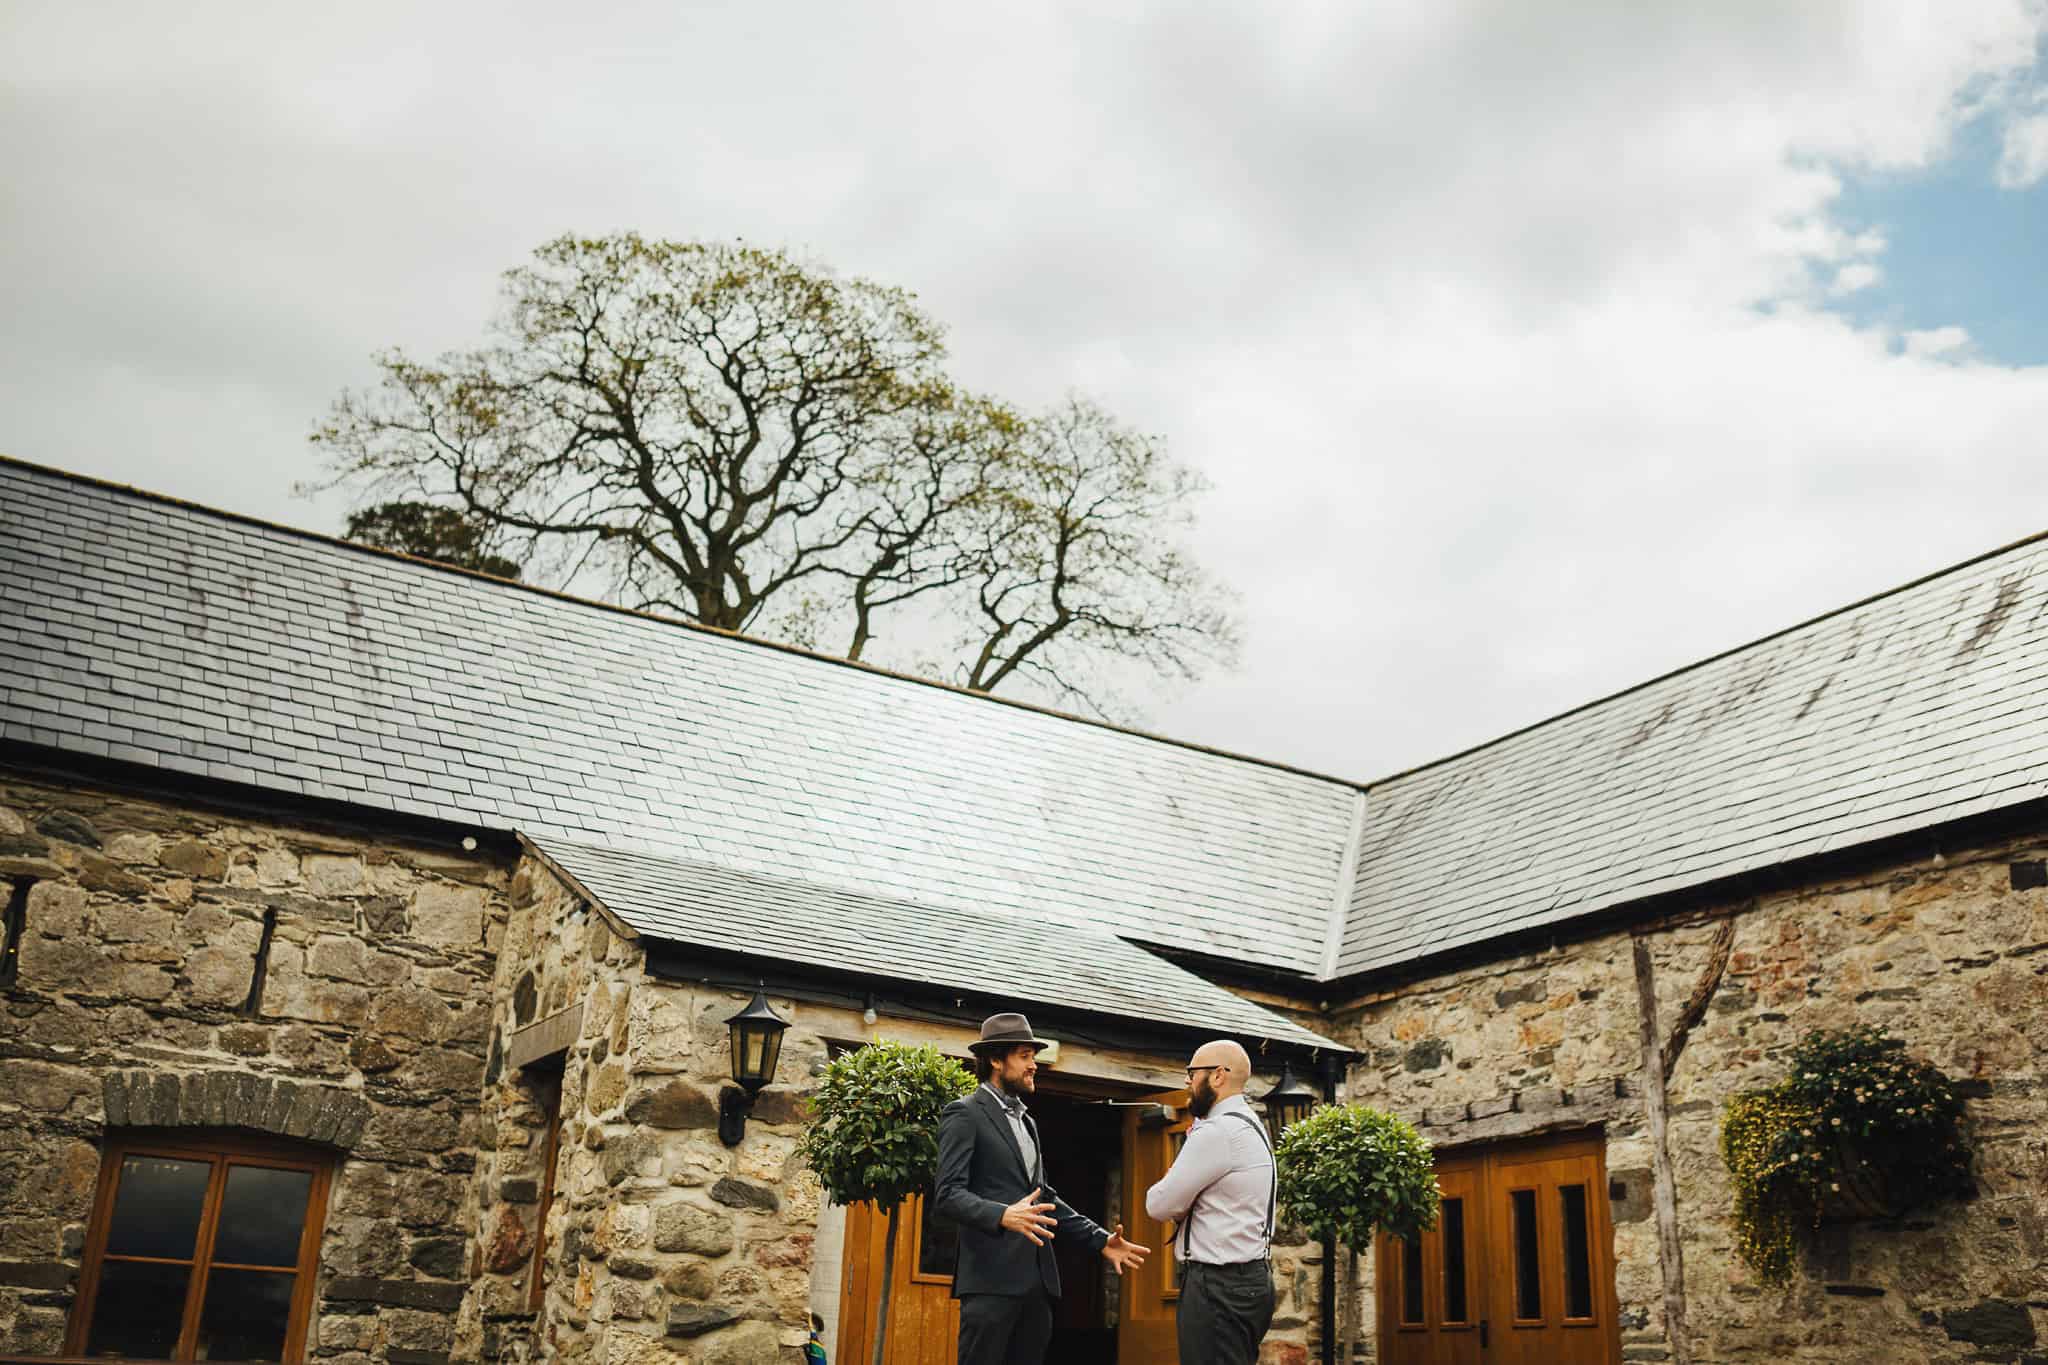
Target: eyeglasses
point(1219, 1066)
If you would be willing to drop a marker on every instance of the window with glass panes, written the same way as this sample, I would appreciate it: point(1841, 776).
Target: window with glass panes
point(201, 1250)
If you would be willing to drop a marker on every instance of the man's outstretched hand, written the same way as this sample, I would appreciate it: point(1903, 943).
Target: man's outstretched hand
point(1126, 1256)
point(1029, 1217)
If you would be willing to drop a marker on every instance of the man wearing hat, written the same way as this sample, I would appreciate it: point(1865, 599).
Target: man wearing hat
point(992, 1183)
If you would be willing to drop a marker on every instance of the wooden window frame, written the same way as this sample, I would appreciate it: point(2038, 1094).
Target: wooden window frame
point(222, 1151)
point(1444, 1321)
point(1514, 1250)
point(1564, 1269)
point(912, 1211)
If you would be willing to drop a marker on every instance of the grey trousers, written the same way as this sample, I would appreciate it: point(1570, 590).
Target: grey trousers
point(1224, 1312)
point(1004, 1329)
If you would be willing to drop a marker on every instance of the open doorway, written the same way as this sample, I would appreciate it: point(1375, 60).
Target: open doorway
point(1083, 1160)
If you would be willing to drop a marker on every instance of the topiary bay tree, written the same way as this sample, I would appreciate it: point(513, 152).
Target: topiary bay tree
point(874, 1135)
point(1348, 1172)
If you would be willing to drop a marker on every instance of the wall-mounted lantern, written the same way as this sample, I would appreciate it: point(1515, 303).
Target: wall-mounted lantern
point(756, 1034)
point(1288, 1102)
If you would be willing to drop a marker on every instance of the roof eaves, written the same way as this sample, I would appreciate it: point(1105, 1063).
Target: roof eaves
point(576, 886)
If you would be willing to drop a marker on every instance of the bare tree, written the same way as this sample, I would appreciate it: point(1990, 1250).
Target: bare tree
point(1074, 559)
point(725, 433)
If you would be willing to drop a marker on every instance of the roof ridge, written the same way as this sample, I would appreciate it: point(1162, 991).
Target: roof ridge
point(202, 509)
point(1714, 658)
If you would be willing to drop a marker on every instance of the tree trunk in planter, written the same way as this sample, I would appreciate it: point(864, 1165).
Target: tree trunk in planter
point(1349, 1300)
point(888, 1286)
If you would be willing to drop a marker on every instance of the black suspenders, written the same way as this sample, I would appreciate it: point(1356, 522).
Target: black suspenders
point(1187, 1223)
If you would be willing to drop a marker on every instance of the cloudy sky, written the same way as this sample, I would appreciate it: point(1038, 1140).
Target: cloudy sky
point(1532, 350)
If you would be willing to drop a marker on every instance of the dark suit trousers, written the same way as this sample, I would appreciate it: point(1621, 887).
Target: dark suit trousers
point(1224, 1312)
point(1004, 1329)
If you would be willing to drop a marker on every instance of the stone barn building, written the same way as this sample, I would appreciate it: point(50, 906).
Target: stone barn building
point(372, 929)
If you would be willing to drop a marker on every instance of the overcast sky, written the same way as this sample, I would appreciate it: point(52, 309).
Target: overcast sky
point(1533, 349)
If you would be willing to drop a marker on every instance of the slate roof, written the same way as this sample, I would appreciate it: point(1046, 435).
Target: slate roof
point(1912, 709)
point(141, 629)
point(1081, 969)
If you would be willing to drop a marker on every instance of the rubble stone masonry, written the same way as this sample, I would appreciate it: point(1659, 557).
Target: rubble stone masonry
point(131, 1007)
point(1950, 952)
point(663, 1245)
point(423, 1012)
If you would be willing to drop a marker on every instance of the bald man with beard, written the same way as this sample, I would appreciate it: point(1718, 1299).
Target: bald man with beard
point(1223, 1192)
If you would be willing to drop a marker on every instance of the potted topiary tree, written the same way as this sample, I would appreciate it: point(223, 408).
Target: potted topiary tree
point(1859, 1129)
point(1348, 1172)
point(873, 1136)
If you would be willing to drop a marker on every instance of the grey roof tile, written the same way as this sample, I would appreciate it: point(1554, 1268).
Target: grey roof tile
point(1911, 709)
point(199, 642)
point(951, 947)
point(356, 676)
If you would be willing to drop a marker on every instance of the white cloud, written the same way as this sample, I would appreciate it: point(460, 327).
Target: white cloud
point(1937, 341)
point(2023, 159)
point(1854, 276)
point(1495, 325)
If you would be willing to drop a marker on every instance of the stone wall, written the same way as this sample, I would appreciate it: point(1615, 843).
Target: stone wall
point(663, 1244)
point(1951, 953)
point(368, 1036)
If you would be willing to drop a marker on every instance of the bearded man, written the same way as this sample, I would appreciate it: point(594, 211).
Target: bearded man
point(991, 1182)
point(1223, 1191)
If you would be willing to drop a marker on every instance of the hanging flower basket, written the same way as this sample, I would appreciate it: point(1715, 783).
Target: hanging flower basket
point(1858, 1132)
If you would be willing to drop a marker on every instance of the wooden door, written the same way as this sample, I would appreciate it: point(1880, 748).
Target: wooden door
point(924, 1317)
point(1519, 1269)
point(1150, 1294)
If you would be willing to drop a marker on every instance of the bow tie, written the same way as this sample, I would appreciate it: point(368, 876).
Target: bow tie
point(1014, 1108)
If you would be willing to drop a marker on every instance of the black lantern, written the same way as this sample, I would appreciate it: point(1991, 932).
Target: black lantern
point(756, 1034)
point(1288, 1102)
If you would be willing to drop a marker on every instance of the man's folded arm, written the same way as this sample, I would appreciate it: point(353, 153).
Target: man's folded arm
point(1204, 1159)
point(951, 1198)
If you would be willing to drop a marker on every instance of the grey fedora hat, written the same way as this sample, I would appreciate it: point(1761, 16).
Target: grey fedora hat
point(1006, 1030)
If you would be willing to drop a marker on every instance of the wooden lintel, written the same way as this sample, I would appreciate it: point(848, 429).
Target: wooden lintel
point(544, 1037)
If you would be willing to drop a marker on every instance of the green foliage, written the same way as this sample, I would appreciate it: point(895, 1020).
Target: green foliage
point(1857, 1112)
point(1774, 1188)
point(428, 531)
point(1347, 1171)
point(875, 1121)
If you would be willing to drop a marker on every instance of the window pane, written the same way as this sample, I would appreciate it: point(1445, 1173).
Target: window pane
point(245, 1315)
point(1528, 1271)
point(1411, 1279)
point(938, 1243)
point(1454, 1261)
point(157, 1207)
point(1578, 1268)
point(139, 1309)
point(261, 1216)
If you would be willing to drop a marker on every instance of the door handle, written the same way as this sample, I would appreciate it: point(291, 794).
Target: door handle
point(1482, 1333)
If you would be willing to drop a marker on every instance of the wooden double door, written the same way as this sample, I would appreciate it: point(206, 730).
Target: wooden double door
point(1519, 1268)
